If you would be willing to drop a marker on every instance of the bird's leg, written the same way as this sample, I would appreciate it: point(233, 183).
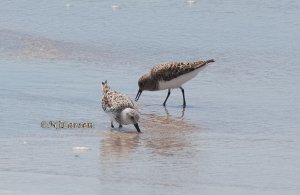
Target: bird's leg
point(182, 90)
point(182, 114)
point(112, 124)
point(167, 112)
point(120, 126)
point(169, 92)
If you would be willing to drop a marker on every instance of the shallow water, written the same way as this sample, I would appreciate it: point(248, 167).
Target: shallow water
point(238, 135)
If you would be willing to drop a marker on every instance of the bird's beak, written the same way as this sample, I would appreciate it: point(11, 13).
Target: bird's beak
point(138, 95)
point(137, 127)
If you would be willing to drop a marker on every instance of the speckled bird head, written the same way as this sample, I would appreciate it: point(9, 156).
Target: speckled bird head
point(146, 82)
point(130, 116)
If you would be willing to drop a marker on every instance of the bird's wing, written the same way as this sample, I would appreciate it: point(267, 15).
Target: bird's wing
point(116, 102)
point(172, 70)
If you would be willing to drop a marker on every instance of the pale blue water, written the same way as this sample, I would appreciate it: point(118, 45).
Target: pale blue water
point(239, 133)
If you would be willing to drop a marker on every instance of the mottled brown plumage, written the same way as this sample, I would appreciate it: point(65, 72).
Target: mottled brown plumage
point(116, 102)
point(169, 75)
point(169, 71)
point(119, 107)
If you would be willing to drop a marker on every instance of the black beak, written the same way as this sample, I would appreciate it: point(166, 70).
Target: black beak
point(137, 127)
point(138, 95)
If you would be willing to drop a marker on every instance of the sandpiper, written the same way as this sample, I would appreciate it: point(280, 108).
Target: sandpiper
point(169, 76)
point(119, 107)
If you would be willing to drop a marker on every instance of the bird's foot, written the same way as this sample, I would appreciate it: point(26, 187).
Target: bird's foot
point(112, 125)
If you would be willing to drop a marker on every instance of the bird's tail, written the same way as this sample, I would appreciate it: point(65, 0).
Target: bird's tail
point(202, 63)
point(105, 87)
point(209, 61)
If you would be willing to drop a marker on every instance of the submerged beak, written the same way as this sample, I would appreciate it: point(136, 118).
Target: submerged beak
point(138, 95)
point(137, 127)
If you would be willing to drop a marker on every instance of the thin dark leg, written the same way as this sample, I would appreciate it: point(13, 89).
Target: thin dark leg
point(167, 112)
point(169, 92)
point(182, 115)
point(182, 90)
point(112, 124)
point(120, 126)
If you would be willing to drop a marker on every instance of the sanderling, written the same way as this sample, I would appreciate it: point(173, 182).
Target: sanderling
point(119, 107)
point(169, 76)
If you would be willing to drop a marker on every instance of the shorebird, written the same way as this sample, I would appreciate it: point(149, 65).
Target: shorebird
point(170, 76)
point(119, 107)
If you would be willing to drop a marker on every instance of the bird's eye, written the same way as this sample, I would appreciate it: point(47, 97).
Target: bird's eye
point(132, 117)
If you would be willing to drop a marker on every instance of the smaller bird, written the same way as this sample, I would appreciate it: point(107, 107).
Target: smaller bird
point(169, 76)
point(119, 107)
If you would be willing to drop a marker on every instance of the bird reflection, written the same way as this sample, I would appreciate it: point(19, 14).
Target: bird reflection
point(167, 135)
point(167, 142)
point(168, 114)
point(118, 144)
point(164, 135)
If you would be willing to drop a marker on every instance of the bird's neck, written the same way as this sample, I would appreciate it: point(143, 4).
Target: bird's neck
point(106, 89)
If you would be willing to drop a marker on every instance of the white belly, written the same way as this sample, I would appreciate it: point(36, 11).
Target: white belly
point(179, 81)
point(112, 116)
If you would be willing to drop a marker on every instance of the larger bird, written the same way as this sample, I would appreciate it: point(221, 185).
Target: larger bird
point(119, 107)
point(169, 76)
